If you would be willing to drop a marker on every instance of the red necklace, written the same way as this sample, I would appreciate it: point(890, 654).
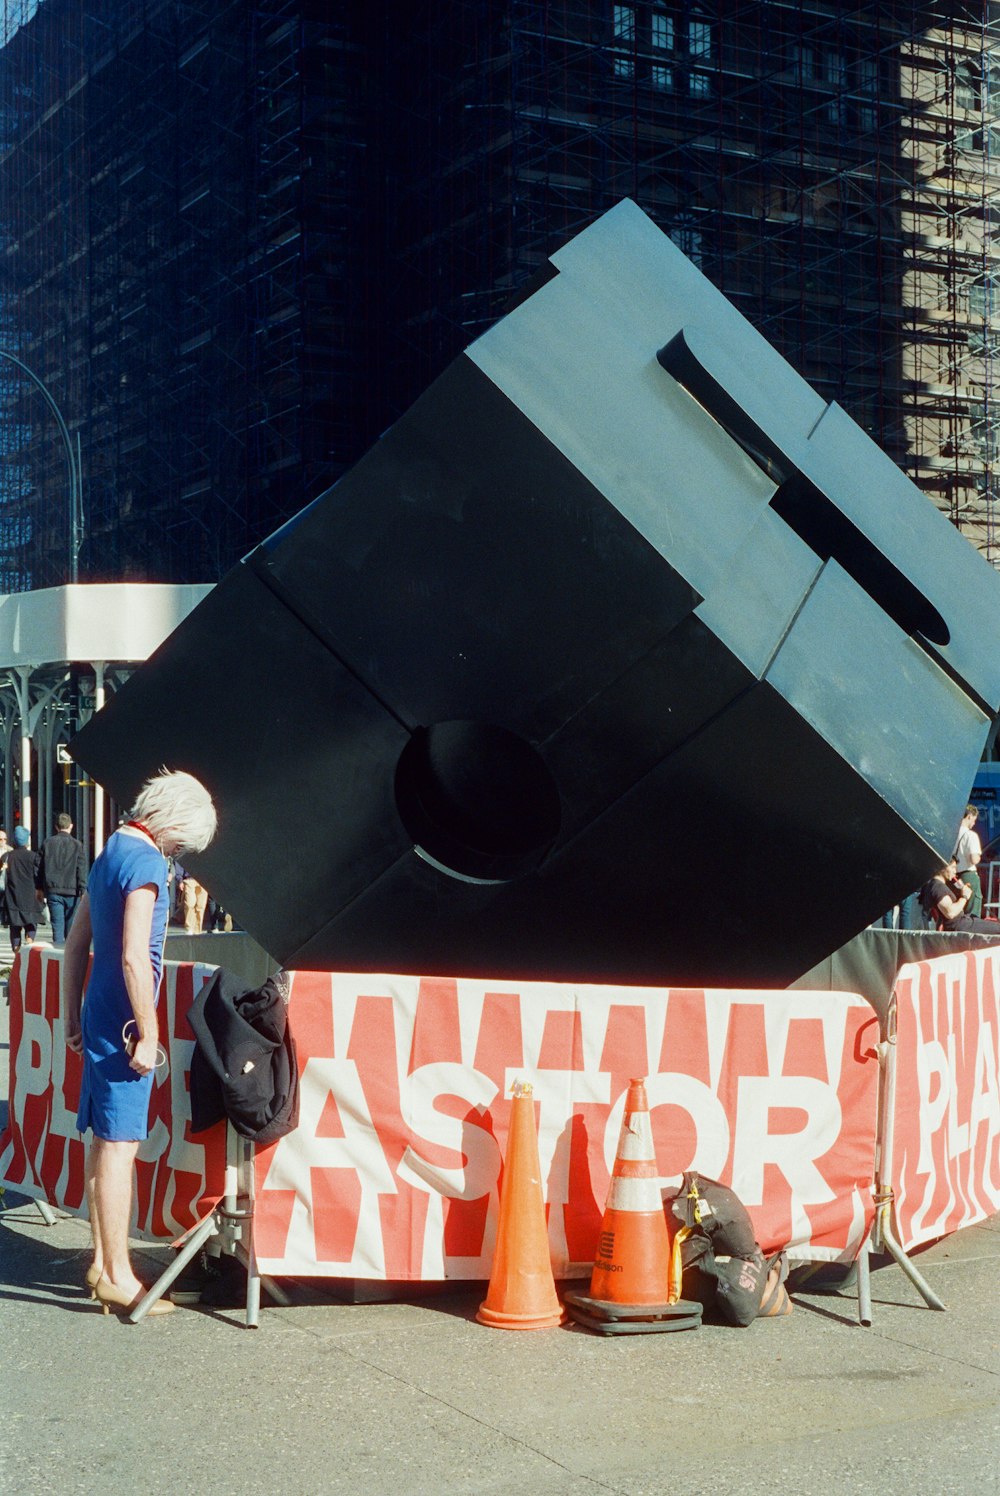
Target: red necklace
point(145, 829)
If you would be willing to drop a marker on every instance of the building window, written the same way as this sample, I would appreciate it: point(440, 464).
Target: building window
point(825, 67)
point(983, 298)
point(966, 87)
point(670, 55)
point(624, 23)
point(831, 67)
point(699, 55)
point(985, 142)
point(833, 72)
point(868, 89)
point(623, 29)
point(991, 85)
point(661, 32)
point(983, 342)
point(982, 433)
point(978, 89)
point(699, 41)
point(803, 60)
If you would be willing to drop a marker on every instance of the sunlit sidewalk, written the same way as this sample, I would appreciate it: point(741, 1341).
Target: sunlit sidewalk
point(42, 933)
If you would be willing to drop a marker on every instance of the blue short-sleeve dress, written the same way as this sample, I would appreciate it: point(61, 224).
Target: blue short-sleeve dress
point(114, 1100)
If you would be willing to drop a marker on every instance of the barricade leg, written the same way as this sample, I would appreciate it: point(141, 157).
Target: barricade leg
point(198, 1236)
point(864, 1288)
point(45, 1210)
point(882, 1232)
point(246, 1252)
point(230, 1228)
point(899, 1256)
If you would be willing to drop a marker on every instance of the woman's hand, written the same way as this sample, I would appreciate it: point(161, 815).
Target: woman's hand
point(74, 1037)
point(144, 1056)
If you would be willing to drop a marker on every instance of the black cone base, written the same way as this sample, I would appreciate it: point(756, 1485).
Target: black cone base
point(605, 1318)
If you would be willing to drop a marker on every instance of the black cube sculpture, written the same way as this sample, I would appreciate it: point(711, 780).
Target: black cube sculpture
point(618, 580)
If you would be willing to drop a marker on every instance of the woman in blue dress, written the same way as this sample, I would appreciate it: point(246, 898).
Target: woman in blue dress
point(113, 1026)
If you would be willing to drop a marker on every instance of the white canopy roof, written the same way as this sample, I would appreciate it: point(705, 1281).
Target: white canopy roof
point(97, 621)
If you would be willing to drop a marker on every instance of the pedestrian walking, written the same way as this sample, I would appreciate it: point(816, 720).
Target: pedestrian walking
point(62, 876)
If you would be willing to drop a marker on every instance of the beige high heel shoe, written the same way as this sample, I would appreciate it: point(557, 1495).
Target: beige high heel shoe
point(92, 1277)
point(111, 1298)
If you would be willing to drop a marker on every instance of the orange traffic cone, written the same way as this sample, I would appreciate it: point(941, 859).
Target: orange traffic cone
point(630, 1288)
point(522, 1291)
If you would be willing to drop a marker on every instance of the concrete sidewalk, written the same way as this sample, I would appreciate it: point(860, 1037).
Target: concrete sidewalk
point(416, 1397)
point(43, 935)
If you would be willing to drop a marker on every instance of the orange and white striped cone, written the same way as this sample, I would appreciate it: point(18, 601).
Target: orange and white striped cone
point(630, 1287)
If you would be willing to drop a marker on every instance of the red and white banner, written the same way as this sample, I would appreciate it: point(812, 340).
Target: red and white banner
point(946, 1153)
point(41, 1152)
point(393, 1171)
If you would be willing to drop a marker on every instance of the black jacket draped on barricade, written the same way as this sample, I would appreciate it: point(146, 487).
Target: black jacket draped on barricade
point(244, 1065)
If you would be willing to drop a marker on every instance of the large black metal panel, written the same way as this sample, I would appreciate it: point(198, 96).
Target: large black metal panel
point(620, 656)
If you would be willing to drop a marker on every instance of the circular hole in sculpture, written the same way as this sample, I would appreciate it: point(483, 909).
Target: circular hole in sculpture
point(477, 800)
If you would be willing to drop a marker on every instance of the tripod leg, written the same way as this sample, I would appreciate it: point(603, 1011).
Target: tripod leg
point(47, 1213)
point(193, 1244)
point(273, 1289)
point(247, 1254)
point(864, 1288)
point(245, 1249)
point(919, 1282)
point(253, 1291)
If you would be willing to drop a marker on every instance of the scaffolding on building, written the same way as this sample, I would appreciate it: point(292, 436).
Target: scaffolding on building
point(238, 237)
point(174, 229)
point(831, 167)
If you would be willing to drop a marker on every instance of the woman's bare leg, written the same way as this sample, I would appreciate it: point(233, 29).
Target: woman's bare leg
point(112, 1205)
point(95, 1224)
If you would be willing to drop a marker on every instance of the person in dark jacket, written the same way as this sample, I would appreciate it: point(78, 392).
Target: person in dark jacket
point(22, 894)
point(62, 876)
point(945, 898)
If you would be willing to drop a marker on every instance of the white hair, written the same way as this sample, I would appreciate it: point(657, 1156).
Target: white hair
point(175, 801)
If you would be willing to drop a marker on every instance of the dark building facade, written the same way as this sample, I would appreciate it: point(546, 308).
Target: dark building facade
point(833, 168)
point(177, 265)
point(237, 239)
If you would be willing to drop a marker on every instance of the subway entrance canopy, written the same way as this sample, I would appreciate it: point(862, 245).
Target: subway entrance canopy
point(63, 650)
point(622, 656)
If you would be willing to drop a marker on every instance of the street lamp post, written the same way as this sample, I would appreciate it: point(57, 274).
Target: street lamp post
point(72, 463)
point(75, 540)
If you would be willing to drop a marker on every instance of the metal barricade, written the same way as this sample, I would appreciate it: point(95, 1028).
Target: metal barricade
point(991, 888)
